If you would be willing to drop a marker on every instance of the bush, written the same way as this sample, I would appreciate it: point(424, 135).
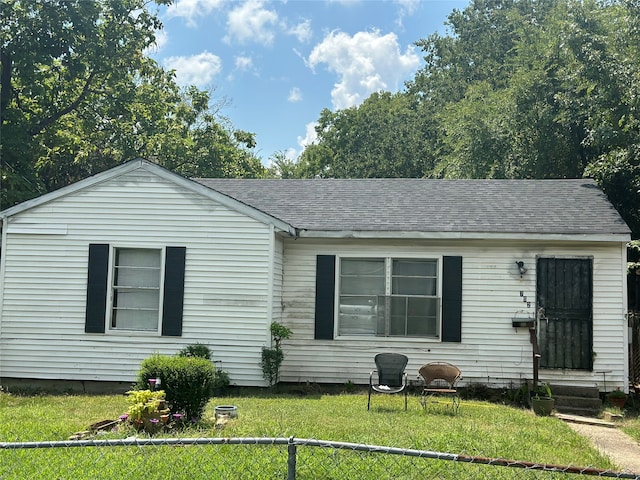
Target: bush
point(187, 381)
point(272, 357)
point(199, 350)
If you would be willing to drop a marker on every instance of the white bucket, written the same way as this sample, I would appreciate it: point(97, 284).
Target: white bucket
point(230, 411)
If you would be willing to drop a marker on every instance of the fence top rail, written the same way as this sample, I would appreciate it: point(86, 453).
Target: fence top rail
point(294, 442)
point(135, 441)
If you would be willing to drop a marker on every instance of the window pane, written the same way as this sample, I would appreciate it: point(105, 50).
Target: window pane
point(137, 277)
point(362, 276)
point(415, 268)
point(363, 266)
point(362, 286)
point(357, 315)
point(135, 320)
point(133, 299)
point(414, 286)
point(422, 317)
point(414, 277)
point(397, 323)
point(137, 257)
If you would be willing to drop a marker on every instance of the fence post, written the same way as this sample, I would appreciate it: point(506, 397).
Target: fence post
point(291, 460)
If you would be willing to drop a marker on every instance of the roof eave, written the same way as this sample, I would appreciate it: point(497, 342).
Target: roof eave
point(418, 235)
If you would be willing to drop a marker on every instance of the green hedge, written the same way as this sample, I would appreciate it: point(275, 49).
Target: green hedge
point(187, 381)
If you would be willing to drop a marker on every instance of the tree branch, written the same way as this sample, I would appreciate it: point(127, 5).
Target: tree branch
point(44, 123)
point(5, 82)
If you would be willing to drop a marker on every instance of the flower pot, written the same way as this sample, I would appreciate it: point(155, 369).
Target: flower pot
point(542, 405)
point(230, 411)
point(618, 402)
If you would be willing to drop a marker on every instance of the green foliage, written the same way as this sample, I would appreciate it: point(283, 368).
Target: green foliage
point(196, 350)
point(200, 350)
point(382, 137)
point(349, 387)
point(79, 95)
point(542, 390)
point(187, 381)
point(272, 357)
point(271, 360)
point(617, 394)
point(279, 332)
point(144, 402)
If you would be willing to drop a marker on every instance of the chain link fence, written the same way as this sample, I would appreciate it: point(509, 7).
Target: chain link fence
point(259, 458)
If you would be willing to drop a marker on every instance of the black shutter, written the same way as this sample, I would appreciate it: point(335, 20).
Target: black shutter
point(325, 296)
point(98, 271)
point(452, 299)
point(173, 300)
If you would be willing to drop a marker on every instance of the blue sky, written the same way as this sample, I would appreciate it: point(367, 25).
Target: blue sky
point(272, 66)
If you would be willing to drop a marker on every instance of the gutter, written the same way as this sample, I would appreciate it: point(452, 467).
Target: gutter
point(418, 235)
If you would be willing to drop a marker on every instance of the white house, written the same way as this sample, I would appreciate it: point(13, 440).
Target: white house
point(99, 275)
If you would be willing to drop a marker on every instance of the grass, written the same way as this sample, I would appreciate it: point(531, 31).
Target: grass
point(480, 428)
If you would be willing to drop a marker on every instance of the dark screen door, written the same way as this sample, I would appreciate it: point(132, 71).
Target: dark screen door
point(565, 330)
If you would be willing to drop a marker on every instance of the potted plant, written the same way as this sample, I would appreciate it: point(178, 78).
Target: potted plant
point(146, 409)
point(542, 401)
point(617, 398)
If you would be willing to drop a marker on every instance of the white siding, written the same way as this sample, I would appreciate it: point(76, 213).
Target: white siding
point(491, 351)
point(278, 261)
point(227, 284)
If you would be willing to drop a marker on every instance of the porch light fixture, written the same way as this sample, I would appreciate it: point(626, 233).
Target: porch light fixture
point(521, 268)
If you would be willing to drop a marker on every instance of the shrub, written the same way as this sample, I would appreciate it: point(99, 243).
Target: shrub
point(272, 357)
point(199, 350)
point(271, 360)
point(187, 381)
point(221, 381)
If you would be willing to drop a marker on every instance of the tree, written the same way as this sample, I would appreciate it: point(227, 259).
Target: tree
point(382, 137)
point(282, 166)
point(78, 95)
point(519, 89)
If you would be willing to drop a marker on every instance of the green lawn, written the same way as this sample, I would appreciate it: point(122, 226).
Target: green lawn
point(632, 425)
point(479, 429)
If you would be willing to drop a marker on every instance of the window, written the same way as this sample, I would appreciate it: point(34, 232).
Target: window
point(389, 297)
point(131, 289)
point(136, 289)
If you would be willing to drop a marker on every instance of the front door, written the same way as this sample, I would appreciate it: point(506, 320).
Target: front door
point(565, 323)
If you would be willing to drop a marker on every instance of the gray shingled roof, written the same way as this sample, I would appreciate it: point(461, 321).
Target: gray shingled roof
point(430, 205)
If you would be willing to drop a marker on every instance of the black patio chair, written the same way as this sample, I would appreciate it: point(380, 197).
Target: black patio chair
point(391, 376)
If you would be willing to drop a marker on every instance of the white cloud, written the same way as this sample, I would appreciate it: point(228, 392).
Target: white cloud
point(302, 31)
point(407, 8)
point(310, 136)
point(243, 63)
point(295, 95)
point(251, 22)
point(196, 70)
point(365, 63)
point(191, 9)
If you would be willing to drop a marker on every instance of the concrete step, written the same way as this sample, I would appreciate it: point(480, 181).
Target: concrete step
point(577, 400)
point(570, 391)
point(571, 410)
